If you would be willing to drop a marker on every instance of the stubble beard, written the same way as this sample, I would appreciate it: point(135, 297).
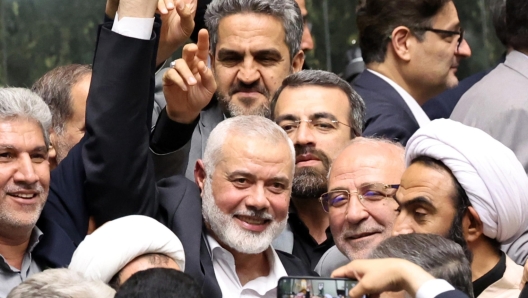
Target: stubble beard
point(10, 220)
point(230, 233)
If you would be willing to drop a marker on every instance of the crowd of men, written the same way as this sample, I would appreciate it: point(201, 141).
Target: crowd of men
point(234, 167)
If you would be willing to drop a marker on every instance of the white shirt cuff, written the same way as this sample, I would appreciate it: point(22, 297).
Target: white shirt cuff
point(433, 288)
point(140, 28)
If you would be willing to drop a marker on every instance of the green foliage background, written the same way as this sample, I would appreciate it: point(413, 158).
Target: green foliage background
point(38, 35)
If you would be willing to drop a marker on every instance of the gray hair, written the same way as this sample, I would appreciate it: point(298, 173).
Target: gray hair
point(61, 283)
point(23, 103)
point(286, 11)
point(327, 79)
point(55, 89)
point(437, 255)
point(249, 127)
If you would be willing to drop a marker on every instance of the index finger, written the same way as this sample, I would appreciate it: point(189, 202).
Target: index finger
point(203, 45)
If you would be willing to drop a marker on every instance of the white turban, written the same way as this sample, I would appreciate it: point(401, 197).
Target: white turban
point(107, 250)
point(489, 172)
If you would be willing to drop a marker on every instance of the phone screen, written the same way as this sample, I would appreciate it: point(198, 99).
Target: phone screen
point(314, 287)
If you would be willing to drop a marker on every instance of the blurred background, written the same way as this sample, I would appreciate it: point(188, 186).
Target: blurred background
point(38, 35)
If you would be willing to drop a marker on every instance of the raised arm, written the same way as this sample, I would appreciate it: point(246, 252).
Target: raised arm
point(119, 173)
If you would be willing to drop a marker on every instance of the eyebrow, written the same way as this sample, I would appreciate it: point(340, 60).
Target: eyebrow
point(223, 53)
point(314, 116)
point(286, 117)
point(416, 201)
point(43, 149)
point(241, 173)
point(268, 53)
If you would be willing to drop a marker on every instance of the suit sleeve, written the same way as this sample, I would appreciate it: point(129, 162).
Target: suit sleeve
point(385, 121)
point(119, 173)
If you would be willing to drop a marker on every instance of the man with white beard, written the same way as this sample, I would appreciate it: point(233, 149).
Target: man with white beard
point(245, 181)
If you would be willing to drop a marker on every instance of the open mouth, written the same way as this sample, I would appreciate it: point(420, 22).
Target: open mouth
point(252, 223)
point(26, 198)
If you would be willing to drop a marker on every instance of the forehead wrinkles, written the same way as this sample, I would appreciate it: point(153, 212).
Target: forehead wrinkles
point(235, 31)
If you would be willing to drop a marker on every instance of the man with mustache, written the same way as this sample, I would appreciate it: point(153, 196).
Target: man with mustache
point(321, 113)
point(466, 186)
point(411, 51)
point(252, 46)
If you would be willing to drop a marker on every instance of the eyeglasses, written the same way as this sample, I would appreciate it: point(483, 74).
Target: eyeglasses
point(446, 32)
point(321, 125)
point(369, 195)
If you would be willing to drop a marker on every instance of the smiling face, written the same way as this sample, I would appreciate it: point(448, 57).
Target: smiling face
point(356, 229)
point(24, 174)
point(245, 199)
point(250, 62)
point(316, 145)
point(435, 59)
point(426, 201)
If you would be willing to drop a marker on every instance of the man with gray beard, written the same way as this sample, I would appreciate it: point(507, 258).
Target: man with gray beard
point(321, 113)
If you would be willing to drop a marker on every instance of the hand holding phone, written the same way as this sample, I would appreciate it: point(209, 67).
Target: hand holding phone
point(314, 287)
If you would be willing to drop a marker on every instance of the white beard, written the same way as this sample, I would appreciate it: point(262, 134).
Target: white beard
point(230, 233)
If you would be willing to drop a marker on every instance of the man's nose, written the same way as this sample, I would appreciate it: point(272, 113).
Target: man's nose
point(464, 50)
point(258, 199)
point(355, 212)
point(248, 72)
point(401, 227)
point(25, 172)
point(304, 135)
point(307, 43)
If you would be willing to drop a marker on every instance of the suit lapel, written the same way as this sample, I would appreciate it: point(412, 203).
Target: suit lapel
point(210, 287)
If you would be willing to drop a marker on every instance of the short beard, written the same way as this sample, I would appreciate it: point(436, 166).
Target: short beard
point(456, 234)
point(232, 235)
point(246, 104)
point(308, 182)
point(9, 219)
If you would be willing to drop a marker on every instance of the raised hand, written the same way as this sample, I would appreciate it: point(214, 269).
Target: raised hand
point(137, 8)
point(383, 275)
point(177, 18)
point(189, 86)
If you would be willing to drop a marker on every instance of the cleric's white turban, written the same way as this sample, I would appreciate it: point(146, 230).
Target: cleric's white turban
point(489, 172)
point(107, 250)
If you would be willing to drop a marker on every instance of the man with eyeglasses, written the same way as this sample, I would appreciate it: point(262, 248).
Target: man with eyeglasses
point(321, 113)
point(411, 49)
point(466, 186)
point(359, 201)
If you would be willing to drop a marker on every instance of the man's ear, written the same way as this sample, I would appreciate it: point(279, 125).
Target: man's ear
point(52, 153)
point(298, 61)
point(200, 175)
point(472, 225)
point(402, 41)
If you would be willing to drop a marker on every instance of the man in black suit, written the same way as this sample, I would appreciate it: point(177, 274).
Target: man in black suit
point(27, 245)
point(411, 51)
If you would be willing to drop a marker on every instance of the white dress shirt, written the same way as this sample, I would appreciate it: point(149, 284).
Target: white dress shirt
point(225, 271)
point(413, 105)
point(140, 28)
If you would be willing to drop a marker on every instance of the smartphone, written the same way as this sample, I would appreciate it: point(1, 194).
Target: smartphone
point(314, 287)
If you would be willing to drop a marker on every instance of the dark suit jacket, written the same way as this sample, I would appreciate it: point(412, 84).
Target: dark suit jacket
point(452, 294)
point(111, 120)
point(387, 114)
point(110, 173)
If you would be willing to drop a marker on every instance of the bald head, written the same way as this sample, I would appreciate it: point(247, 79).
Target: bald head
point(364, 165)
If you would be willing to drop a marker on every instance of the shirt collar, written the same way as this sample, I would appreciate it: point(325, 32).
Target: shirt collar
point(413, 105)
point(262, 284)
